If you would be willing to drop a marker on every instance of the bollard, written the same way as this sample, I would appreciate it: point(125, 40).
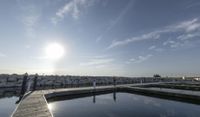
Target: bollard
point(23, 89)
point(35, 82)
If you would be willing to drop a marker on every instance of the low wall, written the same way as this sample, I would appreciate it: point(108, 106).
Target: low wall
point(55, 81)
point(10, 80)
point(78, 81)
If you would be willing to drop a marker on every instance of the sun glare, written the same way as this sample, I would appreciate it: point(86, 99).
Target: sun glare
point(54, 51)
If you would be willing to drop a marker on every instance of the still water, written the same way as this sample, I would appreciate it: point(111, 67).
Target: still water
point(122, 105)
point(7, 106)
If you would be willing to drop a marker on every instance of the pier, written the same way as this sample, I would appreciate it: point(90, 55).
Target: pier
point(34, 104)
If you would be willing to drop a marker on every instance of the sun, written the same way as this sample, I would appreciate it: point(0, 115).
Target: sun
point(54, 51)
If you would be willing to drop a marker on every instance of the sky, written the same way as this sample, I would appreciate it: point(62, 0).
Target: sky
point(100, 37)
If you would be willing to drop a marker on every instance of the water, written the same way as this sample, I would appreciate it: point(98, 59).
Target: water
point(7, 106)
point(8, 98)
point(122, 105)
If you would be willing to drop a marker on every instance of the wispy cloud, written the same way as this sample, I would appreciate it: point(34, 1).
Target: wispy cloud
point(139, 59)
point(100, 61)
point(117, 19)
point(30, 23)
point(154, 48)
point(183, 27)
point(177, 44)
point(72, 8)
point(193, 4)
point(189, 36)
point(27, 46)
point(187, 26)
point(172, 44)
point(151, 35)
point(2, 55)
point(30, 18)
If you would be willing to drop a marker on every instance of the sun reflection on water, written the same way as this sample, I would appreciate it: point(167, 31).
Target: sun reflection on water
point(50, 106)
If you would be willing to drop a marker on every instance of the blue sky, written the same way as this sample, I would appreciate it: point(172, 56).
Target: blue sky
point(101, 37)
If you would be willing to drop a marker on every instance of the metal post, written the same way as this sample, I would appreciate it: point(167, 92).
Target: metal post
point(94, 84)
point(29, 86)
point(35, 82)
point(114, 82)
point(23, 89)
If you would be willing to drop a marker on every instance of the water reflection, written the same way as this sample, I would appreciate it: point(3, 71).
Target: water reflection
point(94, 98)
point(8, 97)
point(114, 97)
point(118, 104)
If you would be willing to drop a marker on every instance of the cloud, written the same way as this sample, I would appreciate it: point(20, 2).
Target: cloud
point(30, 18)
point(30, 24)
point(2, 55)
point(154, 48)
point(27, 46)
point(151, 35)
point(189, 36)
point(193, 4)
point(72, 8)
point(172, 44)
point(182, 27)
point(116, 20)
point(187, 26)
point(98, 62)
point(140, 59)
point(177, 44)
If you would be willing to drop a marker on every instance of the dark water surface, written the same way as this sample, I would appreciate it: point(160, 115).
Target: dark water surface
point(7, 106)
point(123, 105)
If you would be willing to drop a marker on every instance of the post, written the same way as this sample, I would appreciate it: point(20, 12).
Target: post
point(29, 86)
point(114, 81)
point(23, 89)
point(35, 82)
point(94, 84)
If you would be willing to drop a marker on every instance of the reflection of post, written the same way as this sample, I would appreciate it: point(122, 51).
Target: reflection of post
point(35, 82)
point(114, 96)
point(94, 98)
point(23, 89)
